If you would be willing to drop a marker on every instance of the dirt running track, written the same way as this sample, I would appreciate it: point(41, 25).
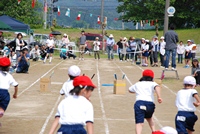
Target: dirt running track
point(33, 111)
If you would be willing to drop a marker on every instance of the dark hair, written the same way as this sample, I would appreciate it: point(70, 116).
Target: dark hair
point(181, 41)
point(172, 26)
point(19, 35)
point(193, 63)
point(78, 89)
point(71, 77)
point(5, 69)
point(146, 78)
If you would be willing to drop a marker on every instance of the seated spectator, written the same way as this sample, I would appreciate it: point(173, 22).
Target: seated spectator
point(43, 52)
point(7, 50)
point(196, 70)
point(70, 53)
point(35, 53)
point(23, 61)
point(63, 52)
point(13, 59)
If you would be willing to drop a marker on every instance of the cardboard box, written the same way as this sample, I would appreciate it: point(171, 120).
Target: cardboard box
point(119, 87)
point(45, 84)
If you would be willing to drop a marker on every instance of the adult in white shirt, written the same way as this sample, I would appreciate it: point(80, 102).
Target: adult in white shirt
point(19, 43)
point(35, 53)
point(110, 42)
point(50, 48)
point(186, 101)
point(96, 44)
point(65, 40)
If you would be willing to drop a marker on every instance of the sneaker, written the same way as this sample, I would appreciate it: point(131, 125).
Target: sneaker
point(174, 69)
point(166, 68)
point(162, 66)
point(79, 58)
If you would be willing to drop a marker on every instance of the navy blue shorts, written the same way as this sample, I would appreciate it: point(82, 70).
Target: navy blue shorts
point(143, 109)
point(189, 56)
point(4, 99)
point(50, 50)
point(185, 120)
point(72, 129)
point(145, 54)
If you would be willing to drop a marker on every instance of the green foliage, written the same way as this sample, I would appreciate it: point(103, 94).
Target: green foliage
point(186, 15)
point(79, 24)
point(23, 11)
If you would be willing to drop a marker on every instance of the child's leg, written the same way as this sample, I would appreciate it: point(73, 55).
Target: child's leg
point(138, 128)
point(190, 132)
point(1, 112)
point(46, 57)
point(151, 124)
point(50, 57)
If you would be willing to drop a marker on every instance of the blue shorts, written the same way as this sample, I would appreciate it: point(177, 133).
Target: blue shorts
point(143, 109)
point(145, 54)
point(189, 56)
point(4, 99)
point(72, 129)
point(50, 50)
point(185, 120)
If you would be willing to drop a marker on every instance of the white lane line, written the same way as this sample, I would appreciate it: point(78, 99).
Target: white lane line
point(101, 101)
point(51, 113)
point(154, 117)
point(39, 79)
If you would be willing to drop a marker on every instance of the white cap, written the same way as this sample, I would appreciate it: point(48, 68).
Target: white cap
point(125, 38)
point(111, 36)
point(143, 39)
point(168, 130)
point(162, 37)
point(189, 80)
point(97, 38)
point(25, 48)
point(65, 34)
point(147, 40)
point(74, 71)
point(188, 40)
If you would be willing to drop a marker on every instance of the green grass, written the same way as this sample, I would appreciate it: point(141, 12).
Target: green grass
point(183, 34)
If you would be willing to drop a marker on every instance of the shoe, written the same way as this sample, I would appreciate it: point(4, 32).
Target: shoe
point(156, 65)
point(162, 66)
point(79, 58)
point(166, 68)
point(174, 69)
point(82, 58)
point(153, 65)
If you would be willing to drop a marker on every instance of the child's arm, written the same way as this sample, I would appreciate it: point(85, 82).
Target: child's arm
point(54, 125)
point(15, 93)
point(89, 127)
point(157, 90)
point(197, 103)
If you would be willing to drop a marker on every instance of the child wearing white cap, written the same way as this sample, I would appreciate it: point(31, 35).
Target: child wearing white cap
point(73, 72)
point(76, 111)
point(186, 101)
point(96, 44)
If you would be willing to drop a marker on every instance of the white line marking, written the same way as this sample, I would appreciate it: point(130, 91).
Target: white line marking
point(101, 101)
point(154, 117)
point(51, 113)
point(57, 83)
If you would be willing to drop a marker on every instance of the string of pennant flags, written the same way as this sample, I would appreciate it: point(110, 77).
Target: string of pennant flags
point(150, 22)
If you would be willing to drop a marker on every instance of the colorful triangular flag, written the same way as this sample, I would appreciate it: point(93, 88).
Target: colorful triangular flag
point(58, 11)
point(68, 12)
point(19, 1)
point(98, 20)
point(79, 16)
point(33, 3)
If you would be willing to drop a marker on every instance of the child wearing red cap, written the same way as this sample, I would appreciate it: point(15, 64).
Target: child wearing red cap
point(76, 111)
point(50, 48)
point(6, 80)
point(187, 100)
point(144, 106)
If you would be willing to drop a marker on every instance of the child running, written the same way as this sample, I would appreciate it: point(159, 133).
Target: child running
point(6, 80)
point(73, 72)
point(76, 110)
point(144, 106)
point(186, 101)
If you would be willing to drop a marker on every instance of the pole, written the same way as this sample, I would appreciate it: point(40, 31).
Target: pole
point(166, 20)
point(102, 27)
point(45, 14)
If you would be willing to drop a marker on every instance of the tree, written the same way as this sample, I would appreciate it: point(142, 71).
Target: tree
point(186, 14)
point(23, 11)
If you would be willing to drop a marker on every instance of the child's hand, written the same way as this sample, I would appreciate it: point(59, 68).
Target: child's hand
point(196, 104)
point(14, 96)
point(159, 100)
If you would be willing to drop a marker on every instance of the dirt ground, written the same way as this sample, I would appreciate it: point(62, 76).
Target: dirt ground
point(33, 111)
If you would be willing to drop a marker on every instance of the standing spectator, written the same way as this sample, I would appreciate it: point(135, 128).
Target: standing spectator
point(150, 52)
point(133, 47)
point(50, 49)
point(109, 46)
point(35, 53)
point(162, 51)
point(194, 49)
point(155, 44)
point(76, 111)
point(6, 79)
point(180, 51)
point(19, 43)
point(65, 40)
point(82, 45)
point(145, 53)
point(31, 39)
point(23, 61)
point(195, 72)
point(125, 46)
point(171, 38)
point(186, 101)
point(120, 47)
point(96, 44)
point(188, 54)
point(1, 36)
point(144, 106)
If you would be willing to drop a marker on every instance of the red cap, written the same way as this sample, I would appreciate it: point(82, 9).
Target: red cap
point(83, 81)
point(158, 132)
point(4, 62)
point(50, 35)
point(148, 72)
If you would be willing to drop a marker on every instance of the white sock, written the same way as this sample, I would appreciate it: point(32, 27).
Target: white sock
point(45, 59)
point(50, 59)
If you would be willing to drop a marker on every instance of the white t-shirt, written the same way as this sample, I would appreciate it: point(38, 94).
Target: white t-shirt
point(180, 49)
point(144, 90)
point(162, 47)
point(50, 43)
point(96, 45)
point(145, 47)
point(66, 88)
point(18, 44)
point(6, 80)
point(188, 48)
point(75, 110)
point(185, 99)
